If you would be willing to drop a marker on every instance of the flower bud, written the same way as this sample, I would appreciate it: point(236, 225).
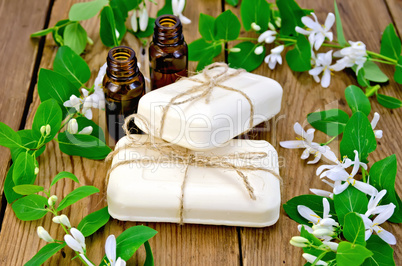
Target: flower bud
point(42, 130)
point(259, 50)
point(48, 129)
point(36, 170)
point(297, 244)
point(56, 219)
point(52, 200)
point(278, 22)
point(64, 220)
point(43, 234)
point(72, 126)
point(255, 27)
point(300, 239)
point(323, 232)
point(235, 50)
point(271, 26)
point(332, 245)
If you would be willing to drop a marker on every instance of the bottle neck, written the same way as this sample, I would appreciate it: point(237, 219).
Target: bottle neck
point(168, 31)
point(121, 64)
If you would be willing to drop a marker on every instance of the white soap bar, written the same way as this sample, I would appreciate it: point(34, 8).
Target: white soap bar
point(151, 191)
point(199, 125)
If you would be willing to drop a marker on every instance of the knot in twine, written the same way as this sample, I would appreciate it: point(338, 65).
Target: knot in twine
point(204, 90)
point(175, 154)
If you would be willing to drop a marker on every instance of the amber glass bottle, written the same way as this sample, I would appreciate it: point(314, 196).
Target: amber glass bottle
point(123, 86)
point(167, 52)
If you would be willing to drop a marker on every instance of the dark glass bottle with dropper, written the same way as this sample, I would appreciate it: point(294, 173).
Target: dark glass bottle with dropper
point(123, 86)
point(168, 53)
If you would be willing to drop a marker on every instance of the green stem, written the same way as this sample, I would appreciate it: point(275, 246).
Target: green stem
point(247, 39)
point(380, 61)
point(65, 24)
point(372, 90)
point(333, 45)
point(382, 57)
point(329, 141)
point(287, 40)
point(318, 258)
point(364, 174)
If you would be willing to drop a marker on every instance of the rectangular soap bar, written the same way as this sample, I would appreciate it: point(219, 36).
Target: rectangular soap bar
point(150, 191)
point(201, 125)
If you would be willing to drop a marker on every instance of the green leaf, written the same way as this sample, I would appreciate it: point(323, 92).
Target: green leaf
point(232, 2)
point(28, 189)
point(316, 242)
point(246, 58)
point(206, 27)
point(108, 27)
point(199, 49)
point(76, 195)
point(96, 130)
point(204, 62)
point(383, 254)
point(24, 171)
point(92, 222)
point(84, 11)
point(31, 207)
point(353, 229)
point(291, 15)
point(42, 32)
point(149, 30)
point(83, 145)
point(120, 20)
point(390, 43)
point(149, 260)
point(350, 200)
point(62, 175)
point(357, 100)
point(373, 73)
point(166, 9)
point(58, 33)
point(361, 78)
point(313, 202)
point(299, 58)
point(131, 239)
point(227, 26)
point(388, 101)
point(398, 71)
point(257, 11)
point(339, 28)
point(53, 85)
point(8, 137)
point(48, 113)
point(9, 192)
point(45, 253)
point(27, 141)
point(382, 176)
point(75, 37)
point(71, 66)
point(358, 135)
point(349, 254)
point(332, 122)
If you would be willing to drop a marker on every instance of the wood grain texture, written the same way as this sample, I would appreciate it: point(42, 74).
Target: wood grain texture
point(395, 10)
point(199, 244)
point(18, 19)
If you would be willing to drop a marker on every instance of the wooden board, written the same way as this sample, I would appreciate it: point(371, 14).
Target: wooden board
point(197, 244)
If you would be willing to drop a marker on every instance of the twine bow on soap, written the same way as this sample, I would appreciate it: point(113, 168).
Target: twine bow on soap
point(205, 88)
point(175, 154)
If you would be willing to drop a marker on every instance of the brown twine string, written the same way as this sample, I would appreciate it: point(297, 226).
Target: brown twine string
point(204, 90)
point(173, 153)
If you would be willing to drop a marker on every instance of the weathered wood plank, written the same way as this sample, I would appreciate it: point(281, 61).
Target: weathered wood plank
point(18, 55)
point(395, 10)
point(173, 245)
point(270, 246)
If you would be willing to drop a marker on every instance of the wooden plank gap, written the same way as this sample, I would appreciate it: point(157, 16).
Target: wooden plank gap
point(238, 229)
point(34, 77)
point(392, 18)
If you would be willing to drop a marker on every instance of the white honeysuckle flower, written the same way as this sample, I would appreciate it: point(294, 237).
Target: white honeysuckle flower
point(86, 260)
point(43, 234)
point(134, 21)
point(323, 65)
point(99, 78)
point(355, 54)
point(332, 245)
point(380, 219)
point(317, 33)
point(333, 168)
point(372, 207)
point(52, 200)
point(143, 17)
point(377, 133)
point(76, 240)
point(322, 193)
point(305, 142)
point(348, 179)
point(255, 27)
point(98, 96)
point(310, 258)
point(110, 250)
point(271, 26)
point(274, 57)
point(258, 50)
point(299, 241)
point(234, 50)
point(267, 36)
point(64, 220)
point(178, 7)
point(72, 126)
point(86, 131)
point(74, 102)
